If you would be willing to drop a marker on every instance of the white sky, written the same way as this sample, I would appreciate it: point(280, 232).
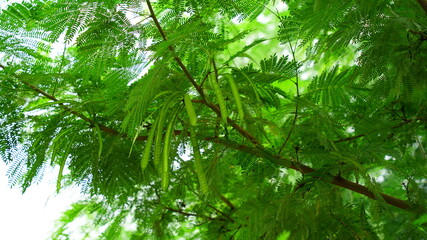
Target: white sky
point(32, 216)
point(4, 3)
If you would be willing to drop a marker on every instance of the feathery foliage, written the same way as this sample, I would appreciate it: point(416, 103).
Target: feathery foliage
point(304, 119)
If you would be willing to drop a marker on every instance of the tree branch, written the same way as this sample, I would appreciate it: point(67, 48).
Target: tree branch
point(221, 212)
point(212, 106)
point(78, 114)
point(177, 59)
point(423, 4)
point(259, 150)
point(67, 109)
point(339, 181)
point(304, 169)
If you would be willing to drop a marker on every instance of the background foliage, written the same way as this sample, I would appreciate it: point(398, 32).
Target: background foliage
point(301, 119)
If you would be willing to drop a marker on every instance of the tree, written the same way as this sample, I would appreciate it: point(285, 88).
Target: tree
point(194, 119)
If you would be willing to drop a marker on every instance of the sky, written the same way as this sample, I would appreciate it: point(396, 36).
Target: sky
point(32, 216)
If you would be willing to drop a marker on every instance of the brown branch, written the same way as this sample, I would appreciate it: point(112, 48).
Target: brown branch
point(339, 181)
point(227, 202)
point(423, 4)
point(78, 114)
point(222, 198)
point(221, 212)
point(177, 59)
point(67, 109)
point(259, 150)
point(294, 121)
point(304, 169)
point(212, 106)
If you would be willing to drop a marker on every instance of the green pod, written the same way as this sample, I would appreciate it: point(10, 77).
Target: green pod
point(198, 164)
point(147, 150)
point(159, 130)
point(158, 141)
point(236, 97)
point(220, 98)
point(99, 134)
point(190, 110)
point(166, 151)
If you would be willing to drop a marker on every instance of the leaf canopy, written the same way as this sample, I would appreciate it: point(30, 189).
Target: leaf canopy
point(304, 119)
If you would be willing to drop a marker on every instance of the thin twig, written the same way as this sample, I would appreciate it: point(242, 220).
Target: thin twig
point(192, 214)
point(222, 198)
point(67, 109)
point(221, 212)
point(204, 79)
point(349, 138)
point(401, 124)
point(346, 226)
point(60, 68)
point(235, 232)
point(297, 102)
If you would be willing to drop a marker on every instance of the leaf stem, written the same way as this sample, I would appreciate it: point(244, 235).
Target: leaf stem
point(192, 214)
point(363, 135)
point(297, 100)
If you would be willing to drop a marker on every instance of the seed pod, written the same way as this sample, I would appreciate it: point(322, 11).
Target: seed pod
point(190, 110)
point(158, 141)
point(159, 132)
point(236, 97)
point(220, 98)
point(198, 164)
point(166, 151)
point(147, 150)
